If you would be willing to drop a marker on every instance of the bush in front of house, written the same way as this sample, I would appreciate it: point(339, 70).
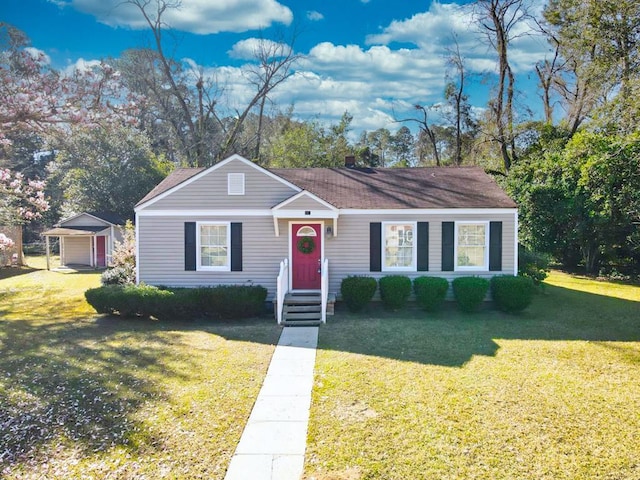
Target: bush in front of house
point(430, 292)
point(231, 301)
point(469, 292)
point(357, 291)
point(222, 302)
point(512, 294)
point(394, 291)
point(129, 300)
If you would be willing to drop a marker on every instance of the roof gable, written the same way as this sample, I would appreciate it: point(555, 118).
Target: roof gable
point(92, 219)
point(183, 177)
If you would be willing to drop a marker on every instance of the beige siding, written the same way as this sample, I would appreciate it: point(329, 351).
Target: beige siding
point(210, 191)
point(77, 250)
point(161, 239)
point(305, 203)
point(348, 253)
point(84, 220)
point(161, 260)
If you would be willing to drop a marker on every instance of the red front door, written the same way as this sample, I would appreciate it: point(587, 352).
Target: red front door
point(101, 258)
point(306, 252)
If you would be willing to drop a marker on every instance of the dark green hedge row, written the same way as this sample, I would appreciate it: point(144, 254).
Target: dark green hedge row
point(222, 302)
point(511, 294)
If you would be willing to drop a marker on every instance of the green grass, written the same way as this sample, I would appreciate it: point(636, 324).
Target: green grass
point(552, 393)
point(87, 396)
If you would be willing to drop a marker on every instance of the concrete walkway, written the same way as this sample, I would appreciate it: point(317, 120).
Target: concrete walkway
point(274, 440)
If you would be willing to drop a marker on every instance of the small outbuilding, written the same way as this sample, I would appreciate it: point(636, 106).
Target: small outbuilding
point(86, 239)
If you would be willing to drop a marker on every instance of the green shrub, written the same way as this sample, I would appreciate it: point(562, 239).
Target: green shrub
point(394, 291)
point(430, 292)
point(533, 265)
point(231, 301)
point(357, 291)
point(469, 292)
point(223, 302)
point(512, 294)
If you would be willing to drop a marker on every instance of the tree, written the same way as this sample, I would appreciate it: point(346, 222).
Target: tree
point(402, 143)
point(196, 102)
point(21, 200)
point(598, 41)
point(37, 99)
point(105, 170)
point(499, 19)
point(459, 111)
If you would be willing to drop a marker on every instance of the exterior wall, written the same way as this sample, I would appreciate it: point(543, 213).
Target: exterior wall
point(76, 250)
point(348, 253)
point(161, 249)
point(210, 191)
point(161, 252)
point(84, 221)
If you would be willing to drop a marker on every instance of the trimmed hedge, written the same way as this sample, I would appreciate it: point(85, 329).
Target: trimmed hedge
point(512, 294)
point(430, 292)
point(357, 291)
point(394, 291)
point(223, 302)
point(469, 292)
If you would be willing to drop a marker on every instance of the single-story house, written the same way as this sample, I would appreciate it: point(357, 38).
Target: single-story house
point(86, 239)
point(302, 230)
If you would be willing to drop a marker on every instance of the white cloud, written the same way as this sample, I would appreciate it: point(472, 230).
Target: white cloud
point(195, 16)
point(38, 55)
point(247, 49)
point(314, 16)
point(81, 66)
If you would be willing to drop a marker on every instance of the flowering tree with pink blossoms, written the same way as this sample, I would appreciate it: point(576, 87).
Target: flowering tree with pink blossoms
point(35, 97)
point(21, 199)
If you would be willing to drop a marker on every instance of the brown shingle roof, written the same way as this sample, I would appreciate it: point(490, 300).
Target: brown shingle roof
point(383, 188)
point(398, 188)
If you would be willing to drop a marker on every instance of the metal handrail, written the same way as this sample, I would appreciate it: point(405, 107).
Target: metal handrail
point(282, 287)
point(324, 289)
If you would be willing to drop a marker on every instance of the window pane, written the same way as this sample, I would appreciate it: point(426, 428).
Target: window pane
point(398, 250)
point(213, 246)
point(471, 245)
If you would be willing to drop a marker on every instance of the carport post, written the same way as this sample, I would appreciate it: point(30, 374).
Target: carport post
point(47, 243)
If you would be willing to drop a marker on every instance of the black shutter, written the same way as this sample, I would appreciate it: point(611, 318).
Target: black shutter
point(190, 246)
point(447, 246)
point(375, 247)
point(236, 247)
point(495, 246)
point(423, 246)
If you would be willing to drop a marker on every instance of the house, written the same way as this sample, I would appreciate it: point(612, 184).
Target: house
point(87, 239)
point(301, 231)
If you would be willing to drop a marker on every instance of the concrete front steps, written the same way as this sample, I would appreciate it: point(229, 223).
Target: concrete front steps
point(305, 309)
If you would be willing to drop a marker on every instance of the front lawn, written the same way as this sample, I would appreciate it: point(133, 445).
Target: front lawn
point(85, 396)
point(552, 393)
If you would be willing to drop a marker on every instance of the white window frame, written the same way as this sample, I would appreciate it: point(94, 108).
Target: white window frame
point(199, 266)
point(237, 177)
point(485, 266)
point(413, 267)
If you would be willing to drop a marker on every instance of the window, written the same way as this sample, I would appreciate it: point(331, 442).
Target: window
point(213, 246)
point(472, 246)
point(235, 183)
point(399, 252)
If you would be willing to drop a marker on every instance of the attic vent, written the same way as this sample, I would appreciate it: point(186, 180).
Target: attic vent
point(235, 183)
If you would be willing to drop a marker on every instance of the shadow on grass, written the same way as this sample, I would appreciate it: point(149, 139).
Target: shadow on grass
point(82, 382)
point(9, 272)
point(452, 338)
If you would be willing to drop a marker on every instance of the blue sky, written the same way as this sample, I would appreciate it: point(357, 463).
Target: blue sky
point(374, 58)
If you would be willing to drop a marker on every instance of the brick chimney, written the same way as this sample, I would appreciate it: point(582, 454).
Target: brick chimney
point(350, 161)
